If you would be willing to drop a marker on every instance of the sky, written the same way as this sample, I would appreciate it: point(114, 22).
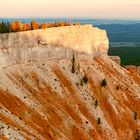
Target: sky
point(116, 9)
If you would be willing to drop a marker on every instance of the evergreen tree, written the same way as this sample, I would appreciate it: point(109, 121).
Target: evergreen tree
point(3, 28)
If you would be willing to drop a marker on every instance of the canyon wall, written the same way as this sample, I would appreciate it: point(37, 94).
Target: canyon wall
point(48, 100)
point(38, 45)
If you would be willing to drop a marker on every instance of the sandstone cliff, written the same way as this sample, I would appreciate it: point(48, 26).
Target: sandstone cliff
point(19, 48)
point(44, 100)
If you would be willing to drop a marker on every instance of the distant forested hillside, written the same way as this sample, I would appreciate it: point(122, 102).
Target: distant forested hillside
point(129, 55)
point(119, 33)
point(124, 42)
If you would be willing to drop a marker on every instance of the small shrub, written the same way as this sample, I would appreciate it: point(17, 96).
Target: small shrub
point(81, 82)
point(135, 115)
point(117, 87)
point(103, 83)
point(77, 84)
point(98, 121)
point(84, 80)
point(96, 103)
point(73, 64)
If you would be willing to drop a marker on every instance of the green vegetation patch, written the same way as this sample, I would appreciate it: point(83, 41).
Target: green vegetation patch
point(103, 83)
point(128, 55)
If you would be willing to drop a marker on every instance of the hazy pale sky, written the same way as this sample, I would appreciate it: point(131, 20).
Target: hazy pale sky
point(71, 8)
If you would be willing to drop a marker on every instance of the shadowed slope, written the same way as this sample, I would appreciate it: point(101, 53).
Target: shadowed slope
point(45, 100)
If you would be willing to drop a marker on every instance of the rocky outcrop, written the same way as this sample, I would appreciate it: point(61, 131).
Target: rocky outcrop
point(19, 48)
point(117, 59)
point(133, 69)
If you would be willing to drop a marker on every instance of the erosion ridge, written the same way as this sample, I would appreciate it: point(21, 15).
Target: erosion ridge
point(45, 99)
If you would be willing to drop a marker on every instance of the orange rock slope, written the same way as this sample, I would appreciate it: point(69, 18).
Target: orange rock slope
point(45, 100)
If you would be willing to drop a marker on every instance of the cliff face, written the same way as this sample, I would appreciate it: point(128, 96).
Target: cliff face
point(45, 99)
point(19, 48)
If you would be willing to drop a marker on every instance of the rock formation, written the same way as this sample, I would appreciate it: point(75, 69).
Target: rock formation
point(134, 70)
point(59, 42)
point(117, 59)
point(62, 97)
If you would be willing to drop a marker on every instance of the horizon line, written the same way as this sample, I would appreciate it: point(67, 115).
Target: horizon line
point(42, 17)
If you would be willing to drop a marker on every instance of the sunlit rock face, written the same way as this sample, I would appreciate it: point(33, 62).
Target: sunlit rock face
point(117, 59)
point(52, 43)
point(133, 69)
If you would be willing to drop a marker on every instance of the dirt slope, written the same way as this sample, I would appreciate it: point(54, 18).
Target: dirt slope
point(45, 100)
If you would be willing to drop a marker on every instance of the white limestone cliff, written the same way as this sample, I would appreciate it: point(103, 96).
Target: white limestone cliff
point(21, 47)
